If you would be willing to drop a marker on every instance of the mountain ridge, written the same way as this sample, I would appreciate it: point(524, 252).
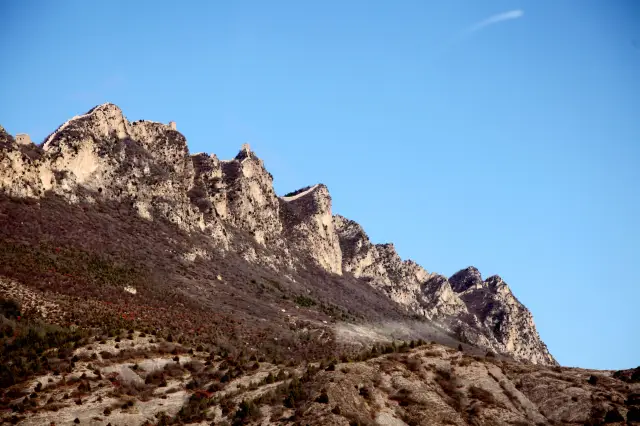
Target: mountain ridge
point(100, 155)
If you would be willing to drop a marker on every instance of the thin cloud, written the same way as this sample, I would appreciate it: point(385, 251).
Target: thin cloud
point(478, 26)
point(495, 19)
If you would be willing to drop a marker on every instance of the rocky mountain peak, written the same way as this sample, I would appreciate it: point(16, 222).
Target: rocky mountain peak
point(348, 227)
point(465, 278)
point(101, 156)
point(496, 283)
point(102, 121)
point(245, 152)
point(6, 140)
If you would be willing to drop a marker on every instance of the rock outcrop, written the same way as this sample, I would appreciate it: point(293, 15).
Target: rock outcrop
point(501, 315)
point(19, 165)
point(100, 155)
point(442, 301)
point(307, 217)
point(252, 203)
point(484, 313)
point(405, 282)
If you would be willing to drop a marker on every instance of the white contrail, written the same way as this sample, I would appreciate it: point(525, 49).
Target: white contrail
point(465, 34)
point(500, 17)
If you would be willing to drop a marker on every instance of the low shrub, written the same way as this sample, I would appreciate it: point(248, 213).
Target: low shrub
point(247, 411)
point(482, 395)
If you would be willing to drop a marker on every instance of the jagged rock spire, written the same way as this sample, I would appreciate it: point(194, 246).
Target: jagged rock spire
point(465, 278)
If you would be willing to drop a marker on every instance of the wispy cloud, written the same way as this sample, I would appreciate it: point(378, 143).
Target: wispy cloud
point(495, 19)
point(478, 26)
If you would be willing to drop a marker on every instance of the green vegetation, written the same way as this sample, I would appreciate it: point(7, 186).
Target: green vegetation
point(305, 301)
point(32, 347)
point(9, 308)
point(293, 393)
point(62, 266)
point(247, 411)
point(193, 410)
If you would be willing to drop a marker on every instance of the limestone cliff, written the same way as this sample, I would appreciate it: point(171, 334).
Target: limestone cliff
point(252, 203)
point(405, 282)
point(100, 155)
point(502, 316)
point(483, 313)
point(307, 217)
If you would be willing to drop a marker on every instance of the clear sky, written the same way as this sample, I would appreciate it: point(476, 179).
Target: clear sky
point(500, 134)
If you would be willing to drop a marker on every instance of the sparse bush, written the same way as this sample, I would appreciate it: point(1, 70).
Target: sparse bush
point(465, 362)
point(270, 378)
point(293, 393)
point(194, 366)
point(9, 308)
point(156, 378)
point(194, 410)
point(482, 395)
point(226, 405)
point(28, 339)
point(247, 411)
point(323, 398)
point(633, 415)
point(403, 396)
point(448, 383)
point(613, 416)
point(365, 392)
point(414, 364)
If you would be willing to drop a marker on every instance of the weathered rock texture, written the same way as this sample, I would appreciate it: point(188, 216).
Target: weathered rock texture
point(307, 216)
point(251, 201)
point(484, 313)
point(101, 156)
point(501, 315)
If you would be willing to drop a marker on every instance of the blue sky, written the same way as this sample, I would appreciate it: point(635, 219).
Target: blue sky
point(513, 147)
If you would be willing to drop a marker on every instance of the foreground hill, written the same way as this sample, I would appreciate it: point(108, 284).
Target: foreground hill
point(135, 378)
